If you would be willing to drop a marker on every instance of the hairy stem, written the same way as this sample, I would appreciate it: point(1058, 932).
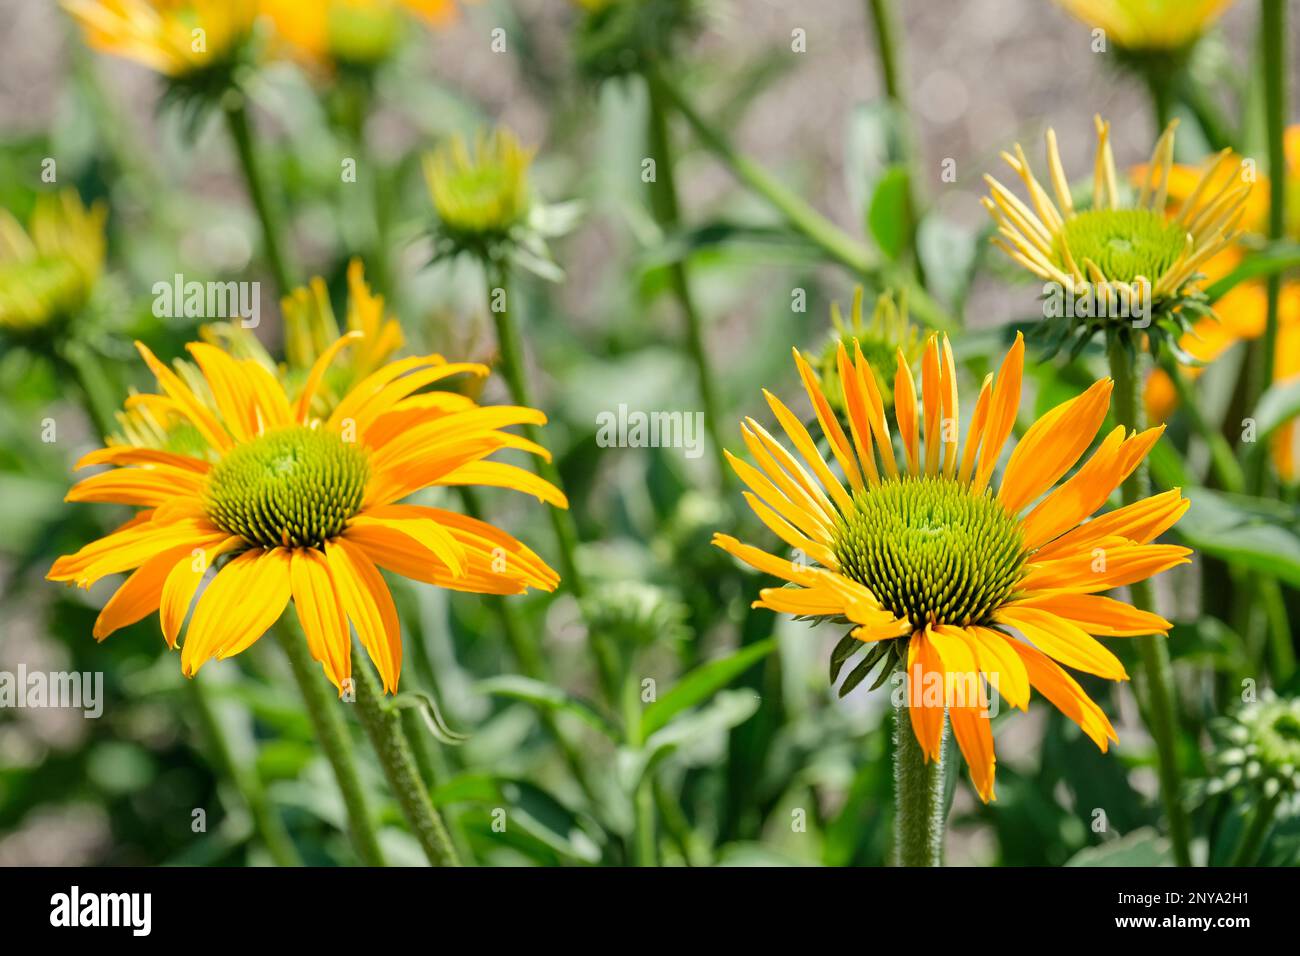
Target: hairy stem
point(1160, 713)
point(383, 726)
point(919, 806)
point(332, 732)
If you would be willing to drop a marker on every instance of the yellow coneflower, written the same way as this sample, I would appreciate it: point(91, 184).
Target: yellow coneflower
point(310, 329)
point(1127, 254)
point(1143, 26)
point(1243, 311)
point(349, 32)
point(47, 271)
point(880, 339)
point(302, 508)
point(178, 38)
point(969, 583)
point(483, 191)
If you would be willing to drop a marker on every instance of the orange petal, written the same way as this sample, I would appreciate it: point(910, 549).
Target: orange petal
point(1062, 641)
point(321, 614)
point(1052, 445)
point(369, 606)
point(246, 597)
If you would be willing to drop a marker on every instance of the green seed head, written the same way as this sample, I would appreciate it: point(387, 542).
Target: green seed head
point(1260, 748)
point(293, 488)
point(930, 550)
point(1124, 243)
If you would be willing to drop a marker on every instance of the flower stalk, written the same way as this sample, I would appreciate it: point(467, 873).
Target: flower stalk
point(332, 733)
point(566, 532)
point(266, 821)
point(668, 212)
point(383, 725)
point(1272, 30)
point(832, 240)
point(236, 111)
point(919, 786)
point(1160, 712)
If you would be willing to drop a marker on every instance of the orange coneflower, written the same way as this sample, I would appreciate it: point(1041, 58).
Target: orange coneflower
point(1243, 311)
point(350, 32)
point(972, 583)
point(301, 507)
point(178, 38)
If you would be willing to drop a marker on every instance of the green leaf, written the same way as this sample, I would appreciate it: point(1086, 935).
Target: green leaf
point(1255, 533)
point(730, 708)
point(529, 808)
point(1144, 847)
point(889, 217)
point(700, 684)
point(547, 697)
point(846, 648)
point(1267, 261)
point(1276, 407)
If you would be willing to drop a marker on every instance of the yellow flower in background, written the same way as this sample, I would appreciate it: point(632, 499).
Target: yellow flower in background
point(1149, 25)
point(1130, 253)
point(48, 270)
point(310, 329)
point(968, 583)
point(350, 32)
point(302, 508)
point(1242, 311)
point(480, 192)
point(178, 38)
point(880, 340)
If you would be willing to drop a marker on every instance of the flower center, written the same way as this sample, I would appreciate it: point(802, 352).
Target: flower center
point(930, 550)
point(296, 487)
point(1123, 243)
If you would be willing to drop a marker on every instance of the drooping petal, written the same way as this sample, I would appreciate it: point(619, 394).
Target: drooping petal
point(1097, 615)
point(1050, 680)
point(183, 579)
point(1062, 641)
point(369, 606)
point(321, 614)
point(925, 681)
point(246, 597)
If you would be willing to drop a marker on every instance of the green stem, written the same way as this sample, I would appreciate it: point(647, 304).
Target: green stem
point(668, 212)
point(76, 359)
point(1252, 841)
point(332, 732)
point(644, 850)
point(889, 52)
point(566, 532)
point(1161, 716)
point(919, 805)
point(432, 767)
point(1160, 86)
point(1272, 27)
point(1226, 466)
point(383, 726)
point(837, 244)
point(1281, 644)
point(241, 133)
point(531, 663)
point(266, 820)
